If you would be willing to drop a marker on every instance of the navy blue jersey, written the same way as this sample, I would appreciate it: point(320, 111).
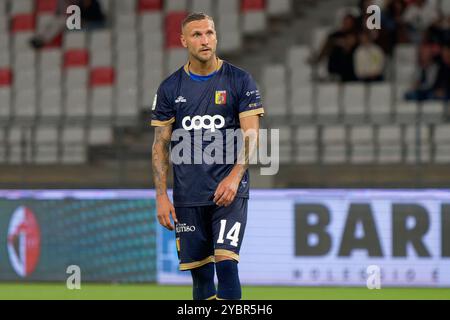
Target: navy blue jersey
point(192, 105)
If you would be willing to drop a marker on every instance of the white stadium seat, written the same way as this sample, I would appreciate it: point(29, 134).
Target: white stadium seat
point(102, 101)
point(362, 144)
point(301, 101)
point(151, 22)
point(389, 144)
point(179, 5)
point(253, 21)
point(306, 141)
point(205, 6)
point(100, 135)
point(354, 101)
point(50, 102)
point(380, 96)
point(76, 102)
point(21, 6)
point(334, 144)
point(75, 40)
point(73, 145)
point(46, 142)
point(5, 102)
point(25, 103)
point(279, 7)
point(411, 144)
point(20, 140)
point(442, 143)
point(76, 78)
point(227, 6)
point(101, 58)
point(327, 100)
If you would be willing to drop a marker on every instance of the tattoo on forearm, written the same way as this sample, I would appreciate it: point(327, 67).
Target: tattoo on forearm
point(160, 158)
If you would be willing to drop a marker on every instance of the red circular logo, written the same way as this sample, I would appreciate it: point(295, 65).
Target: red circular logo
point(24, 241)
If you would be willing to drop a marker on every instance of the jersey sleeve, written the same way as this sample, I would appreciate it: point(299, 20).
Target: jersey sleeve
point(250, 99)
point(163, 111)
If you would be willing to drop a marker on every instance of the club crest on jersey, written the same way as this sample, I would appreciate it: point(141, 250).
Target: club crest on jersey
point(221, 97)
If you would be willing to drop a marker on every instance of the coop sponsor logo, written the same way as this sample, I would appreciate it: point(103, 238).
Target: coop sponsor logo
point(24, 241)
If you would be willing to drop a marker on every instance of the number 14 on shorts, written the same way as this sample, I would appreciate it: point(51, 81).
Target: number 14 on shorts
point(232, 235)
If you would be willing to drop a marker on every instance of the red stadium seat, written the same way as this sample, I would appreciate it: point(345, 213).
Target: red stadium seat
point(56, 42)
point(23, 22)
point(46, 5)
point(150, 5)
point(5, 77)
point(251, 5)
point(173, 28)
point(76, 58)
point(102, 76)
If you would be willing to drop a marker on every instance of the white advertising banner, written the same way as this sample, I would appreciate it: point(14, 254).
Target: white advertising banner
point(337, 237)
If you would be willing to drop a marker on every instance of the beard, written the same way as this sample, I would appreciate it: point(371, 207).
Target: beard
point(203, 58)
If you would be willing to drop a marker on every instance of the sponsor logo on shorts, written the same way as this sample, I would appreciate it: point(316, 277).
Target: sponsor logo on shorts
point(182, 227)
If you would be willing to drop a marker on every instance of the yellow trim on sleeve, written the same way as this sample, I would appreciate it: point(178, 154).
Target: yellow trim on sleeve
point(157, 123)
point(226, 253)
point(196, 264)
point(212, 298)
point(251, 113)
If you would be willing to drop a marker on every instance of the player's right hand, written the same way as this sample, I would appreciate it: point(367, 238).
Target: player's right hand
point(165, 209)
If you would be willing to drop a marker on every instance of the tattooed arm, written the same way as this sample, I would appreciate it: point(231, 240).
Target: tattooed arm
point(160, 165)
point(227, 189)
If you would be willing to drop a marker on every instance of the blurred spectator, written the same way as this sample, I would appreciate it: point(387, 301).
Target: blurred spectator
point(339, 48)
point(424, 77)
point(441, 88)
point(418, 16)
point(369, 59)
point(91, 17)
point(392, 25)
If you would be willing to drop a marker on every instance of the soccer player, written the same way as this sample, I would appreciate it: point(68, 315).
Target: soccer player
point(207, 95)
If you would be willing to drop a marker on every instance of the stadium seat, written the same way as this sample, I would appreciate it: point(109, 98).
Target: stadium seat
point(412, 144)
point(100, 58)
point(73, 145)
point(5, 61)
point(126, 41)
point(127, 104)
point(150, 5)
point(301, 101)
point(354, 101)
point(380, 96)
point(230, 37)
point(6, 77)
point(50, 78)
point(227, 6)
point(279, 7)
point(406, 111)
point(74, 40)
point(334, 144)
point(76, 102)
point(25, 61)
point(442, 143)
point(205, 6)
point(389, 144)
point(150, 23)
point(362, 144)
point(4, 42)
point(21, 41)
point(23, 23)
point(76, 78)
point(125, 22)
point(306, 141)
point(328, 101)
point(46, 142)
point(46, 6)
point(100, 40)
point(445, 7)
point(173, 6)
point(151, 43)
point(274, 89)
point(25, 103)
point(25, 79)
point(125, 7)
point(50, 102)
point(5, 102)
point(4, 25)
point(101, 104)
point(127, 79)
point(285, 146)
point(300, 71)
point(100, 135)
point(433, 111)
point(173, 22)
point(126, 61)
point(176, 58)
point(21, 7)
point(20, 141)
point(50, 59)
point(3, 143)
point(102, 76)
point(76, 58)
point(253, 21)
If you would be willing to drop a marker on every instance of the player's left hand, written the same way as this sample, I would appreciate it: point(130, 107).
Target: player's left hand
point(226, 191)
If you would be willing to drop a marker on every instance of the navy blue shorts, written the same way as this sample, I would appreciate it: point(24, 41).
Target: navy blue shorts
point(205, 231)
